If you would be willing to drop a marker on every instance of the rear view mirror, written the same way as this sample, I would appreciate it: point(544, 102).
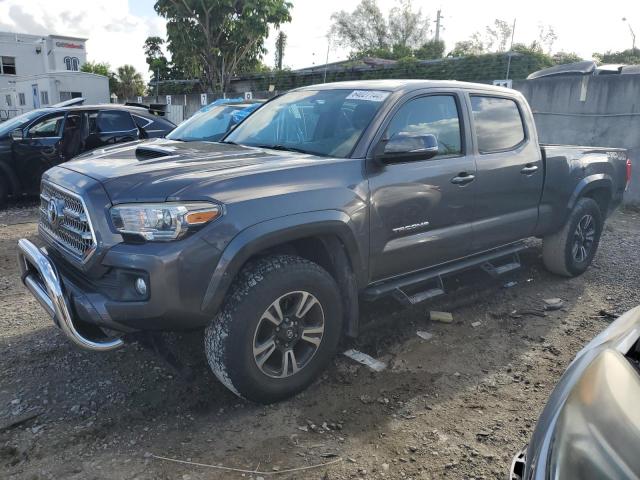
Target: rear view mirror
point(17, 134)
point(408, 146)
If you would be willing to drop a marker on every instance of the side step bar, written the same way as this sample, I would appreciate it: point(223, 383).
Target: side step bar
point(487, 261)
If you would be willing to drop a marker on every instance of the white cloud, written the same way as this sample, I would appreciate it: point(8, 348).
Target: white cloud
point(115, 35)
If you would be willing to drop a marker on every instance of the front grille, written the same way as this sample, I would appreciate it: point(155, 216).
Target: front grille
point(64, 219)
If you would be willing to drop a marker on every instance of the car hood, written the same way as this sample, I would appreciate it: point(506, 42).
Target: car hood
point(161, 169)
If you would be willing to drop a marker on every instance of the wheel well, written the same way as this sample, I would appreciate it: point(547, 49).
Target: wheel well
point(602, 197)
point(330, 253)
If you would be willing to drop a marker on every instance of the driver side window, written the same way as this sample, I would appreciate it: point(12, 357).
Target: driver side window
point(436, 115)
point(48, 127)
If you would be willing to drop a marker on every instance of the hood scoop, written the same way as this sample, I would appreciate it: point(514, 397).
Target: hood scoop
point(149, 152)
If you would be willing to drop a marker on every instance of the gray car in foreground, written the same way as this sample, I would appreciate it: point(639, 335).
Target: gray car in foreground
point(324, 197)
point(590, 427)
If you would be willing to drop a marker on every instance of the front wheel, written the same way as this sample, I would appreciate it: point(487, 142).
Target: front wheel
point(278, 329)
point(570, 251)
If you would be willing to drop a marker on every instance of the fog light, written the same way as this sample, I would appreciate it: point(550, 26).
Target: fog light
point(141, 286)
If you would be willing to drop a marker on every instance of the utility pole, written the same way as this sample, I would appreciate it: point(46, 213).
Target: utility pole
point(326, 63)
point(438, 20)
point(513, 33)
point(157, 82)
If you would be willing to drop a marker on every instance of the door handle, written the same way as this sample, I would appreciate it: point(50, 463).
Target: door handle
point(529, 169)
point(463, 178)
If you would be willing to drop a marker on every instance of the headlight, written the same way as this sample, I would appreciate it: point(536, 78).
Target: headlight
point(162, 222)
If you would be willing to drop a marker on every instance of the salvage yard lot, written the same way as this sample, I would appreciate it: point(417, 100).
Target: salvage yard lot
point(458, 405)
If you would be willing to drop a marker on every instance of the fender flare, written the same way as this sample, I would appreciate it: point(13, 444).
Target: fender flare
point(274, 232)
point(14, 184)
point(588, 184)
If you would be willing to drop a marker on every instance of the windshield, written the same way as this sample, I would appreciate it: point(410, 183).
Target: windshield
point(321, 122)
point(209, 126)
point(17, 122)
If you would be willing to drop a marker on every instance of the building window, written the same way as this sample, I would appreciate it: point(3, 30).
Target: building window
point(72, 63)
point(64, 96)
point(8, 100)
point(22, 99)
point(44, 97)
point(8, 65)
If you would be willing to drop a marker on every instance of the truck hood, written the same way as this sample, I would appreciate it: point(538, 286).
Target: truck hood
point(161, 169)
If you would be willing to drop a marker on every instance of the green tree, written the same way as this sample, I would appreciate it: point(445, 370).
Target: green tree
point(364, 29)
point(214, 38)
point(630, 56)
point(408, 28)
point(560, 58)
point(281, 43)
point(467, 48)
point(497, 36)
point(367, 33)
point(130, 82)
point(104, 69)
point(430, 50)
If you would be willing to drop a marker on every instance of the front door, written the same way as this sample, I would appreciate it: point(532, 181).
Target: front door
point(39, 150)
point(421, 210)
point(510, 172)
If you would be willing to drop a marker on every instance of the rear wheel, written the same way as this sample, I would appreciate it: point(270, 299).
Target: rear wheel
point(570, 251)
point(278, 329)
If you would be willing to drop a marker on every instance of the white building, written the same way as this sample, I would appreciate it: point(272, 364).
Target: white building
point(37, 71)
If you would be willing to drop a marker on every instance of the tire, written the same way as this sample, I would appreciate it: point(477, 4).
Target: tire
point(559, 251)
point(244, 349)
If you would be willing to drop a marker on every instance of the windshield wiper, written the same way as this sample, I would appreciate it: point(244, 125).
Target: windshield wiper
point(285, 148)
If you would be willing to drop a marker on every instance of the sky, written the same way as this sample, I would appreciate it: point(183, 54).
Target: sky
point(117, 29)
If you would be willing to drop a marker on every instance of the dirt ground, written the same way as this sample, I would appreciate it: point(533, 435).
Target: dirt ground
point(458, 405)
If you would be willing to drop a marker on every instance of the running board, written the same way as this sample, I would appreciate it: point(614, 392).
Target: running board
point(397, 286)
point(419, 297)
point(499, 270)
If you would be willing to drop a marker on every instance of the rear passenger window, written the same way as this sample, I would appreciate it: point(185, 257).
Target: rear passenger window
point(436, 115)
point(114, 121)
point(498, 123)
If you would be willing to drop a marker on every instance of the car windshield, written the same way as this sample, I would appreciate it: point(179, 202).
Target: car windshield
point(17, 122)
point(319, 122)
point(210, 125)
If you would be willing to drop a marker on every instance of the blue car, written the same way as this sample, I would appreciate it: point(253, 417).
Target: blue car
point(213, 121)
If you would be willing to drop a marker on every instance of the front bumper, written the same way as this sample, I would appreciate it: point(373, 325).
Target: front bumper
point(41, 278)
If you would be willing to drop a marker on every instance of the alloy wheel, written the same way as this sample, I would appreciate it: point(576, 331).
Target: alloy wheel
point(288, 334)
point(583, 238)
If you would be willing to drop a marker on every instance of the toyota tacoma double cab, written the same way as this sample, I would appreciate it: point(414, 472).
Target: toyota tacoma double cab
point(324, 197)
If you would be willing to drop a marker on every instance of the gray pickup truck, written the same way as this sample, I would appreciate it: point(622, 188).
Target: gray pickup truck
point(324, 197)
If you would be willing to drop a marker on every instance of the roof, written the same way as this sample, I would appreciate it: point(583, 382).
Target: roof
point(403, 85)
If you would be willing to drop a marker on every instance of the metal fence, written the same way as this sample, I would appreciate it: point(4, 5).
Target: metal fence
point(182, 106)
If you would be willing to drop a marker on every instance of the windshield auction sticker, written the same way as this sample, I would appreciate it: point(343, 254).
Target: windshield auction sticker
point(368, 95)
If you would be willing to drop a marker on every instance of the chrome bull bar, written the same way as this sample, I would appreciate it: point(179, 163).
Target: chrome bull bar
point(45, 285)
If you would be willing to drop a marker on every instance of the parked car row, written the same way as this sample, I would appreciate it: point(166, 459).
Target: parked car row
point(40, 139)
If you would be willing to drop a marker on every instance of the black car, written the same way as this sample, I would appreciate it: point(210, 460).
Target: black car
point(33, 142)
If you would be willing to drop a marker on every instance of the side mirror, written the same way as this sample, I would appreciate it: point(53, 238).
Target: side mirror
point(405, 146)
point(17, 134)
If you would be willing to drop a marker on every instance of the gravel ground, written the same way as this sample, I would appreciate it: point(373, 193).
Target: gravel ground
point(458, 405)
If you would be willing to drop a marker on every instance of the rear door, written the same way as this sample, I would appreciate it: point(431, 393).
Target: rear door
point(420, 215)
point(107, 127)
point(510, 171)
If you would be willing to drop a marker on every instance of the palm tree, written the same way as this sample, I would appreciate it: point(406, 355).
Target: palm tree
point(281, 43)
point(130, 82)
